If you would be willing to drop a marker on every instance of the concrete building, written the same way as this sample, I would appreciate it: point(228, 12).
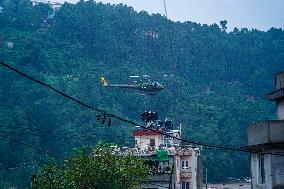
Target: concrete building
point(186, 168)
point(148, 139)
point(266, 143)
point(173, 165)
point(278, 95)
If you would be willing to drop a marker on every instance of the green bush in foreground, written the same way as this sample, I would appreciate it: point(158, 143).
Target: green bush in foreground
point(100, 170)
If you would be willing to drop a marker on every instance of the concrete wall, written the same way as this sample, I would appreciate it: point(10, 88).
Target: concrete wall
point(199, 172)
point(157, 181)
point(144, 141)
point(274, 170)
point(280, 109)
point(255, 172)
point(266, 132)
point(277, 169)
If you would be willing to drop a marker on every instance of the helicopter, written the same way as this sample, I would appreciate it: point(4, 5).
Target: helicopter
point(145, 86)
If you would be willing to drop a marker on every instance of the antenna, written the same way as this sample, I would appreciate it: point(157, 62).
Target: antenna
point(166, 13)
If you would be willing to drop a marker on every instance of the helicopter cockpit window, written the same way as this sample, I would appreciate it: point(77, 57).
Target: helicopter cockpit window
point(157, 84)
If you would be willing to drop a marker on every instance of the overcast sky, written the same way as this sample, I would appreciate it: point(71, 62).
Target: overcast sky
point(260, 14)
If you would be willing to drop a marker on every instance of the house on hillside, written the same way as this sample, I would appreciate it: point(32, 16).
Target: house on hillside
point(55, 5)
point(266, 143)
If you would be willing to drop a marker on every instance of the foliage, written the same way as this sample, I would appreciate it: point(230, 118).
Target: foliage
point(218, 89)
point(100, 169)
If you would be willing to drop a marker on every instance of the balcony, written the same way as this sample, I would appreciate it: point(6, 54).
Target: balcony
point(185, 174)
point(185, 170)
point(184, 152)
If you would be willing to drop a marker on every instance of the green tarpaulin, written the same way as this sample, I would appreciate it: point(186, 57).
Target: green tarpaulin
point(163, 155)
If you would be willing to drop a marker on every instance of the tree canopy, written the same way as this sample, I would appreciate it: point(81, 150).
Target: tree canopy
point(99, 170)
point(219, 85)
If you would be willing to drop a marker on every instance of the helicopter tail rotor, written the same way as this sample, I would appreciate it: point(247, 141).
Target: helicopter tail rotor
point(104, 82)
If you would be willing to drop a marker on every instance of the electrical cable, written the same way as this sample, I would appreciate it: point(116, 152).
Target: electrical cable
point(50, 133)
point(25, 164)
point(50, 87)
point(104, 113)
point(34, 147)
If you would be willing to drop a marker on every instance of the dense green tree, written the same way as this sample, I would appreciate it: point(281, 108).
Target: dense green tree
point(223, 24)
point(99, 170)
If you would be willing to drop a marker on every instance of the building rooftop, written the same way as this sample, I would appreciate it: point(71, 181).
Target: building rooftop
point(266, 133)
point(147, 133)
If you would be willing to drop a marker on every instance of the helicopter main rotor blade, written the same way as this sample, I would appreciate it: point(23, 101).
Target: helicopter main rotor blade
point(122, 86)
point(134, 76)
point(147, 76)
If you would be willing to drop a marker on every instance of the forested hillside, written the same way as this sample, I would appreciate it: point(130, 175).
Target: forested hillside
point(219, 84)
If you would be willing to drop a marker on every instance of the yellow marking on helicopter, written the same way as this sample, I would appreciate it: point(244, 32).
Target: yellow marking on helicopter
point(103, 80)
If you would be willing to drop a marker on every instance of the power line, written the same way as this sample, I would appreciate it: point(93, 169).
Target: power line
point(25, 164)
point(34, 147)
point(112, 115)
point(50, 87)
point(50, 133)
point(105, 114)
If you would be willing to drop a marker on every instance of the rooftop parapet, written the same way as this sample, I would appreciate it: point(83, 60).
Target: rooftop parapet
point(266, 133)
point(142, 152)
point(181, 151)
point(147, 132)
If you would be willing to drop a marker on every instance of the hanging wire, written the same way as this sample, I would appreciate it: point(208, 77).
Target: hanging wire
point(34, 147)
point(127, 120)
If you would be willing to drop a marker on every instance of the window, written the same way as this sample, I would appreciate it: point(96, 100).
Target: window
point(152, 142)
point(184, 185)
point(184, 164)
point(261, 170)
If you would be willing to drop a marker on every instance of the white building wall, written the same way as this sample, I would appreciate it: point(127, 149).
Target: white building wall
point(143, 142)
point(194, 169)
point(255, 172)
point(192, 159)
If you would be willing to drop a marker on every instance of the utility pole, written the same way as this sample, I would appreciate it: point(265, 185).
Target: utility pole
point(33, 173)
